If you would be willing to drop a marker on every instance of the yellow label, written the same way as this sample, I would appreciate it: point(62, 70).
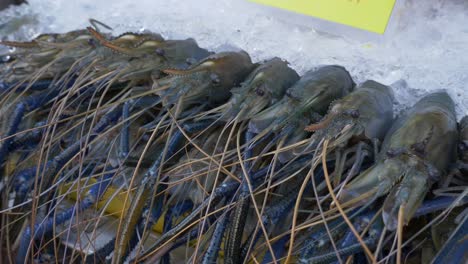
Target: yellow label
point(370, 15)
point(112, 202)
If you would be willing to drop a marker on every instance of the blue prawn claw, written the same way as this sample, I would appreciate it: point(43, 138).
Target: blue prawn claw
point(455, 249)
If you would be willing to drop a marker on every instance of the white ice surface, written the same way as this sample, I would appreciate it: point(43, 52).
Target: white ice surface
point(429, 49)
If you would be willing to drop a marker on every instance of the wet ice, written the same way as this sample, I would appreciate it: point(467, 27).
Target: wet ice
point(428, 50)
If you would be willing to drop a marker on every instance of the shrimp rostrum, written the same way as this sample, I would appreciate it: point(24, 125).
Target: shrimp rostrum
point(410, 160)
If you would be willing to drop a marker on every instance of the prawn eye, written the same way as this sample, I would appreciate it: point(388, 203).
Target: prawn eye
point(353, 113)
point(419, 148)
point(160, 52)
point(260, 92)
point(391, 153)
point(91, 42)
point(214, 78)
point(190, 61)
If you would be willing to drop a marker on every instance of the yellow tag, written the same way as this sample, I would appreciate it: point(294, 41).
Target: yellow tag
point(112, 202)
point(370, 15)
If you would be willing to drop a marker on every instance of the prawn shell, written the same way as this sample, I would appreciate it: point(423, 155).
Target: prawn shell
point(432, 119)
point(231, 67)
point(321, 87)
point(208, 81)
point(311, 95)
point(263, 87)
point(178, 51)
point(374, 103)
point(429, 125)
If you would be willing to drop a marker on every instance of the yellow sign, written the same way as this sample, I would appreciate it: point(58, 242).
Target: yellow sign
point(112, 202)
point(370, 15)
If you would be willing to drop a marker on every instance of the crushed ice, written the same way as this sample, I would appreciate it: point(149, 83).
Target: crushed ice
point(429, 50)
